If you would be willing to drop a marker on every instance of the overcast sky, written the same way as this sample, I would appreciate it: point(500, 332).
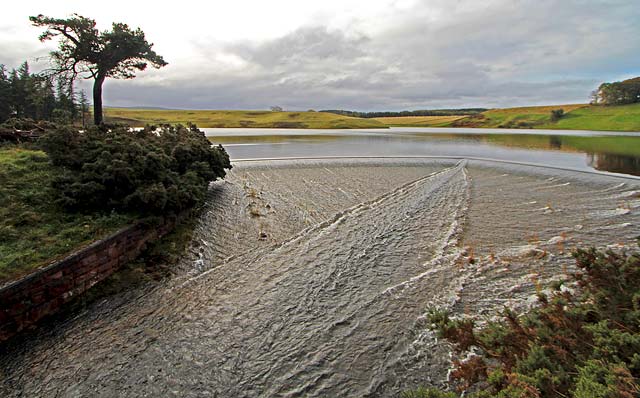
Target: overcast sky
point(355, 54)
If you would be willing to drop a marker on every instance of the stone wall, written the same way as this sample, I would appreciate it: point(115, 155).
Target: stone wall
point(44, 292)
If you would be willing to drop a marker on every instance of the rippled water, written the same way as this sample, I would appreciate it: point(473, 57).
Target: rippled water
point(312, 278)
point(581, 150)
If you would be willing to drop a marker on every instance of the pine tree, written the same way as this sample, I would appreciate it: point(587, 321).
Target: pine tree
point(6, 107)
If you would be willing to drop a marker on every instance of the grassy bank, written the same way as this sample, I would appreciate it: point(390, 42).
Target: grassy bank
point(616, 118)
point(34, 230)
point(535, 116)
point(235, 119)
point(576, 117)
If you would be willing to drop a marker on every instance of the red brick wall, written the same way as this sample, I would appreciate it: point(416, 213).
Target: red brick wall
point(24, 302)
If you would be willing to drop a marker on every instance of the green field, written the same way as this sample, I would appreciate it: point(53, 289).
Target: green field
point(33, 230)
point(616, 118)
point(247, 119)
point(577, 117)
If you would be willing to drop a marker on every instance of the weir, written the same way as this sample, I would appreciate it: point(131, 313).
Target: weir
point(312, 277)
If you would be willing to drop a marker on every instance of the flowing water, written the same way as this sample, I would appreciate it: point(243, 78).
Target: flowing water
point(312, 278)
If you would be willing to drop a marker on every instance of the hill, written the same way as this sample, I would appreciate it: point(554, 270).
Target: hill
point(576, 117)
point(246, 119)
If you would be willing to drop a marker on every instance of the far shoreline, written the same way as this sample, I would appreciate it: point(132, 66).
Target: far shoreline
point(576, 117)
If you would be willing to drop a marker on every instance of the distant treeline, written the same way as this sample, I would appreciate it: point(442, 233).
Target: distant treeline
point(27, 95)
point(425, 112)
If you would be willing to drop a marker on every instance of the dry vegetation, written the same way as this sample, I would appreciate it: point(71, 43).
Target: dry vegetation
point(239, 119)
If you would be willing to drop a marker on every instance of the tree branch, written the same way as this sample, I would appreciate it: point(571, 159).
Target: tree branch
point(67, 35)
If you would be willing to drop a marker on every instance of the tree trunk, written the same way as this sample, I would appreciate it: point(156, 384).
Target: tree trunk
point(97, 100)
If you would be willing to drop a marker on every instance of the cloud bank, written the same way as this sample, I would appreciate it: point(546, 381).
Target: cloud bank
point(409, 55)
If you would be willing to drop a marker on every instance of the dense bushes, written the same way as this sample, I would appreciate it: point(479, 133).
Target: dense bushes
point(155, 170)
point(583, 344)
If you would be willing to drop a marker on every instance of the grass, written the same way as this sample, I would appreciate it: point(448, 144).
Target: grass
point(577, 117)
point(235, 119)
point(617, 118)
point(418, 121)
point(515, 117)
point(34, 230)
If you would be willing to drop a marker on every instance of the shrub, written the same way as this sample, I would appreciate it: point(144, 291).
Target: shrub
point(557, 114)
point(582, 344)
point(21, 130)
point(155, 170)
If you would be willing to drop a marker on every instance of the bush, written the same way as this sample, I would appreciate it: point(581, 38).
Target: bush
point(584, 344)
point(557, 114)
point(156, 170)
point(22, 130)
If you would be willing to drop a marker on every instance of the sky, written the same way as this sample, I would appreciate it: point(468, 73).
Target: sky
point(362, 55)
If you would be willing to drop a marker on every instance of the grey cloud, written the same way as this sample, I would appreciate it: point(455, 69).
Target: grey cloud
point(14, 53)
point(502, 54)
point(309, 44)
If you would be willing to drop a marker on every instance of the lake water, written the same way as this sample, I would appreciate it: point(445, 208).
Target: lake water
point(312, 277)
point(610, 152)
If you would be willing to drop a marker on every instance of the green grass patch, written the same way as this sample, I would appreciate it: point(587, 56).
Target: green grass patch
point(239, 119)
point(576, 117)
point(34, 230)
point(613, 118)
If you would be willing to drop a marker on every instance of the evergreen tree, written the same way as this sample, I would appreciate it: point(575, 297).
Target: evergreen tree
point(85, 51)
point(46, 100)
point(18, 91)
point(83, 104)
point(66, 108)
point(6, 108)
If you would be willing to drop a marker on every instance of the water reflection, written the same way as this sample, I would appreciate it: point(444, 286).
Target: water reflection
point(614, 163)
point(607, 152)
point(555, 142)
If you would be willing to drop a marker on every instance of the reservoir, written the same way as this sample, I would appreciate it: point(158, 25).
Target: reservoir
point(610, 152)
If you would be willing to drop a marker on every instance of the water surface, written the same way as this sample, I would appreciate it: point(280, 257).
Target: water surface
point(580, 150)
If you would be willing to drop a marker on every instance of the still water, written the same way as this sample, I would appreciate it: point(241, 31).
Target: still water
point(580, 150)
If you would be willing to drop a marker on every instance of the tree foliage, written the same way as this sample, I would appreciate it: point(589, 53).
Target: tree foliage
point(155, 170)
point(31, 96)
point(85, 51)
point(584, 343)
point(618, 93)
